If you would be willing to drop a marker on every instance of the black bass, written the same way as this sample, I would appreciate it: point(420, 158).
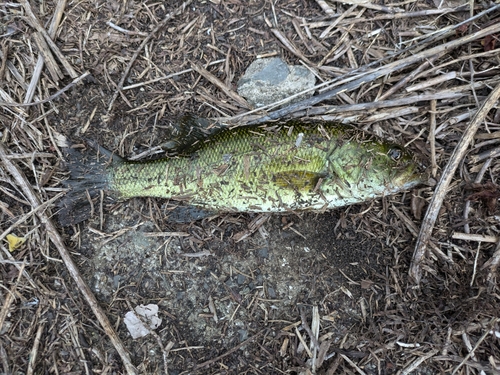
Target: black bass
point(276, 167)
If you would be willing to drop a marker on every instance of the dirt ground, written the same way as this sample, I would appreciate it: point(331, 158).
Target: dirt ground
point(301, 293)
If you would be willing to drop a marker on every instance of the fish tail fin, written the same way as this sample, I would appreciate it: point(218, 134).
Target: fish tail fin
point(89, 175)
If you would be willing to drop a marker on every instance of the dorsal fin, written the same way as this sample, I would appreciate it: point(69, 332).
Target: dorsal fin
point(191, 132)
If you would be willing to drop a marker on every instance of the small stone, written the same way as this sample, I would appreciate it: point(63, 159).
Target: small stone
point(241, 279)
point(243, 333)
point(263, 253)
point(267, 81)
point(271, 293)
point(116, 281)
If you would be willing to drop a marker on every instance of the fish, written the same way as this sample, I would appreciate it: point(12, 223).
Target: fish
point(286, 166)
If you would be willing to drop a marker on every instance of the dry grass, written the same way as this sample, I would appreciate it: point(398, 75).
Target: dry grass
point(426, 75)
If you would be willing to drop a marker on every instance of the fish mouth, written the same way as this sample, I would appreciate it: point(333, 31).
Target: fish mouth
point(418, 175)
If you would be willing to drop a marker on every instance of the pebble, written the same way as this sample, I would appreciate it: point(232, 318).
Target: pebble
point(263, 253)
point(271, 293)
point(243, 334)
point(269, 80)
point(241, 279)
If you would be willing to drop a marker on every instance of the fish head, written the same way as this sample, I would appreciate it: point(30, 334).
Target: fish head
point(399, 167)
point(371, 167)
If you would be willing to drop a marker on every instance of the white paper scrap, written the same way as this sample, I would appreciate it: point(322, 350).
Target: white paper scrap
point(149, 315)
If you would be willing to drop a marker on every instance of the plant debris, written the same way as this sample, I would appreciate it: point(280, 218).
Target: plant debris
point(487, 193)
point(298, 293)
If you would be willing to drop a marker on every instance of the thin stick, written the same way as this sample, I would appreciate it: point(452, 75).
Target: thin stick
point(477, 180)
point(34, 350)
point(221, 85)
point(399, 15)
point(432, 213)
point(158, 27)
point(314, 340)
point(363, 107)
point(125, 31)
point(140, 84)
point(10, 297)
point(418, 362)
point(70, 265)
point(373, 6)
point(407, 78)
point(432, 82)
point(432, 137)
point(474, 237)
point(361, 372)
point(44, 52)
point(325, 7)
point(303, 342)
point(290, 46)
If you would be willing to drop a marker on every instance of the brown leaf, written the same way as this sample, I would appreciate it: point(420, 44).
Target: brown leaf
point(489, 42)
point(462, 29)
point(486, 193)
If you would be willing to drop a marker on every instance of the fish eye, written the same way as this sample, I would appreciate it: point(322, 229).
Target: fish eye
point(395, 153)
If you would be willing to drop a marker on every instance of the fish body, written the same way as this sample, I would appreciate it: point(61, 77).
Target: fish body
point(275, 167)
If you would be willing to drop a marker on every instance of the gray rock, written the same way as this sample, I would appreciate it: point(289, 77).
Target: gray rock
point(241, 279)
point(271, 292)
point(263, 253)
point(243, 333)
point(269, 80)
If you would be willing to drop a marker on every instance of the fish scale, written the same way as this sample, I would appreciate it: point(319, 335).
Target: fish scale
point(277, 167)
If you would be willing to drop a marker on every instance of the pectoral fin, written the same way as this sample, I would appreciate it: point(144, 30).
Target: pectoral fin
point(298, 180)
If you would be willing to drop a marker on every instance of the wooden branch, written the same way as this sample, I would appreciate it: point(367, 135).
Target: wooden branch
point(372, 5)
point(407, 78)
point(34, 350)
point(493, 264)
point(10, 297)
point(56, 239)
point(432, 213)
